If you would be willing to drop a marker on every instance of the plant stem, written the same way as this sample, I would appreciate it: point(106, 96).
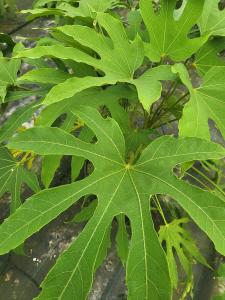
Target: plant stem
point(169, 93)
point(209, 180)
point(160, 209)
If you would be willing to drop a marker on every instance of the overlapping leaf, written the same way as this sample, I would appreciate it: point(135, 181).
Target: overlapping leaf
point(206, 102)
point(212, 20)
point(12, 175)
point(123, 188)
point(16, 120)
point(178, 239)
point(210, 55)
point(119, 59)
point(86, 8)
point(169, 35)
point(8, 72)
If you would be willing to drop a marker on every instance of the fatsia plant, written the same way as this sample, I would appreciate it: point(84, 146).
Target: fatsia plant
point(129, 100)
point(151, 174)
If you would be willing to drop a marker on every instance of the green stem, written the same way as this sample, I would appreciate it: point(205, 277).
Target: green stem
point(169, 93)
point(168, 122)
point(160, 209)
point(210, 181)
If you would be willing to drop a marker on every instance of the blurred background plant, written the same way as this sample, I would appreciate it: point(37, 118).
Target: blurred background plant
point(7, 9)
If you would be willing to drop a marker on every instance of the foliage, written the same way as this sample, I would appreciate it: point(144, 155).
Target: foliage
point(107, 89)
point(7, 8)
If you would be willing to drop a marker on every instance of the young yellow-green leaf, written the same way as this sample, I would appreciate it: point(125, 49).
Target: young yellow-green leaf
point(169, 36)
point(114, 182)
point(178, 239)
point(12, 175)
point(119, 59)
point(206, 102)
point(212, 20)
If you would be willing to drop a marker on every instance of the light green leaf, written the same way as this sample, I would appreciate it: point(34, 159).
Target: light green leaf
point(169, 36)
point(149, 87)
point(209, 55)
point(42, 12)
point(212, 20)
point(43, 75)
point(179, 240)
point(147, 272)
point(206, 102)
point(86, 8)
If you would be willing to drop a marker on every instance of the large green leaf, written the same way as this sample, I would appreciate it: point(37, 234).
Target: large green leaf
point(120, 188)
point(169, 35)
point(212, 20)
point(206, 102)
point(119, 59)
point(12, 175)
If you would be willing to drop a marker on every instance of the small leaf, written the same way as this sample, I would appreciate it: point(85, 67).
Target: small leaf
point(179, 240)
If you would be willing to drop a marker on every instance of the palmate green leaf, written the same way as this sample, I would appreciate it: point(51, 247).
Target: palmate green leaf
point(206, 102)
point(212, 20)
point(12, 175)
point(169, 36)
point(96, 98)
point(179, 240)
point(209, 55)
point(120, 188)
point(119, 59)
